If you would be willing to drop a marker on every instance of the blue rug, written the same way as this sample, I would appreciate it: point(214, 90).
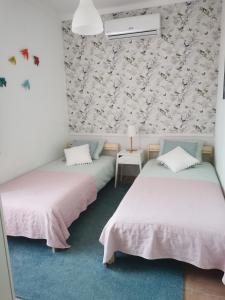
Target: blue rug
point(78, 273)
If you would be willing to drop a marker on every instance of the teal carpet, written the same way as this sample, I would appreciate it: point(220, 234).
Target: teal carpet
point(78, 273)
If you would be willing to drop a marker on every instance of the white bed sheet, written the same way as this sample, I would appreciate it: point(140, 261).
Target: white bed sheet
point(170, 216)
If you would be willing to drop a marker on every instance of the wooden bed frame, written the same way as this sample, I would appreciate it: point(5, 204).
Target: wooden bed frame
point(108, 147)
point(207, 151)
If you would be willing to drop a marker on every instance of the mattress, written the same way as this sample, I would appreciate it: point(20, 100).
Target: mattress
point(102, 169)
point(170, 215)
point(42, 204)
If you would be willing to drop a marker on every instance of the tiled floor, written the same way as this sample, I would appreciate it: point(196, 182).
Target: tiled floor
point(203, 285)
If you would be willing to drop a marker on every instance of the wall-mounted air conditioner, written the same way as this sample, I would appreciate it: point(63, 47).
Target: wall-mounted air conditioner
point(144, 25)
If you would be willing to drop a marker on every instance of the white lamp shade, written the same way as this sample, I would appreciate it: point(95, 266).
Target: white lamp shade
point(131, 131)
point(86, 19)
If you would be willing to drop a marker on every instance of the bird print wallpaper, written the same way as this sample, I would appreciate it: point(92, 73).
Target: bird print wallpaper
point(164, 84)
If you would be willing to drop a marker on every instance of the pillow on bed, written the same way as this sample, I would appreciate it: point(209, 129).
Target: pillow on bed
point(96, 146)
point(178, 159)
point(193, 147)
point(78, 155)
point(99, 149)
point(92, 145)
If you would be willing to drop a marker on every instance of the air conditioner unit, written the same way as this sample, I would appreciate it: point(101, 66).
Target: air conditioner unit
point(145, 25)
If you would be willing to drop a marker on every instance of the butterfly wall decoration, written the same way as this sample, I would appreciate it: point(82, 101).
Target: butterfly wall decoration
point(12, 60)
point(36, 60)
point(25, 53)
point(3, 82)
point(26, 85)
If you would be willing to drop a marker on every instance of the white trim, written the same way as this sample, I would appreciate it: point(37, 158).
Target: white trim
point(129, 7)
point(141, 140)
point(144, 134)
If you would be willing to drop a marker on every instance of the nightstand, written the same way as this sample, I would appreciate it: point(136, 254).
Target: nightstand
point(125, 157)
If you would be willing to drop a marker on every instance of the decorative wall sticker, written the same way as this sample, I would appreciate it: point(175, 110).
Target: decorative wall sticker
point(26, 84)
point(36, 60)
point(3, 82)
point(12, 60)
point(163, 85)
point(25, 53)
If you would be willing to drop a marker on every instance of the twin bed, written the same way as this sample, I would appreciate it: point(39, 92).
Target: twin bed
point(170, 215)
point(42, 204)
point(163, 215)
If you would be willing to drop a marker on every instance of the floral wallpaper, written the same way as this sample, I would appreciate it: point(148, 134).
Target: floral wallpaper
point(163, 85)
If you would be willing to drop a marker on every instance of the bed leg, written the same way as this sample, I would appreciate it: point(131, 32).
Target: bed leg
point(53, 250)
point(223, 279)
point(112, 260)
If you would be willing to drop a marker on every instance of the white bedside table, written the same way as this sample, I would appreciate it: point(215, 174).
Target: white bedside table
point(125, 157)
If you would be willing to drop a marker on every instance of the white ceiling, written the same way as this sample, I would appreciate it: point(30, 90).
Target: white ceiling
point(66, 8)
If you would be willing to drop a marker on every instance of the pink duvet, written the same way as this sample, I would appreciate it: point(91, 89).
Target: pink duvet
point(43, 204)
point(174, 218)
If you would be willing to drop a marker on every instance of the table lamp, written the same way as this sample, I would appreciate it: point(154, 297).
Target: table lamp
point(131, 132)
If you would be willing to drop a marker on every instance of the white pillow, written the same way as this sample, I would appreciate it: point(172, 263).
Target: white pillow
point(178, 159)
point(78, 155)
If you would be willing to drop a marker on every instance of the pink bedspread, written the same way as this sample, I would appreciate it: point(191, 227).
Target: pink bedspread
point(43, 204)
point(169, 218)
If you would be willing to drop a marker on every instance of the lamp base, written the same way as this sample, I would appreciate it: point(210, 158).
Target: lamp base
point(131, 150)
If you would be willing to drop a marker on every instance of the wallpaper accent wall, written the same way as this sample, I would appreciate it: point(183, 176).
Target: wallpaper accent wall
point(164, 84)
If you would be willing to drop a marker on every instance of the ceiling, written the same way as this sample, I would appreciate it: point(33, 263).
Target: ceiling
point(66, 8)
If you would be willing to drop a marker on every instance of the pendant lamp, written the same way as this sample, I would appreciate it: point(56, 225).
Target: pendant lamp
point(86, 19)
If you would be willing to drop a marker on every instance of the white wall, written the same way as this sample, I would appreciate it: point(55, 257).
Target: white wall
point(220, 119)
point(33, 124)
point(6, 286)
